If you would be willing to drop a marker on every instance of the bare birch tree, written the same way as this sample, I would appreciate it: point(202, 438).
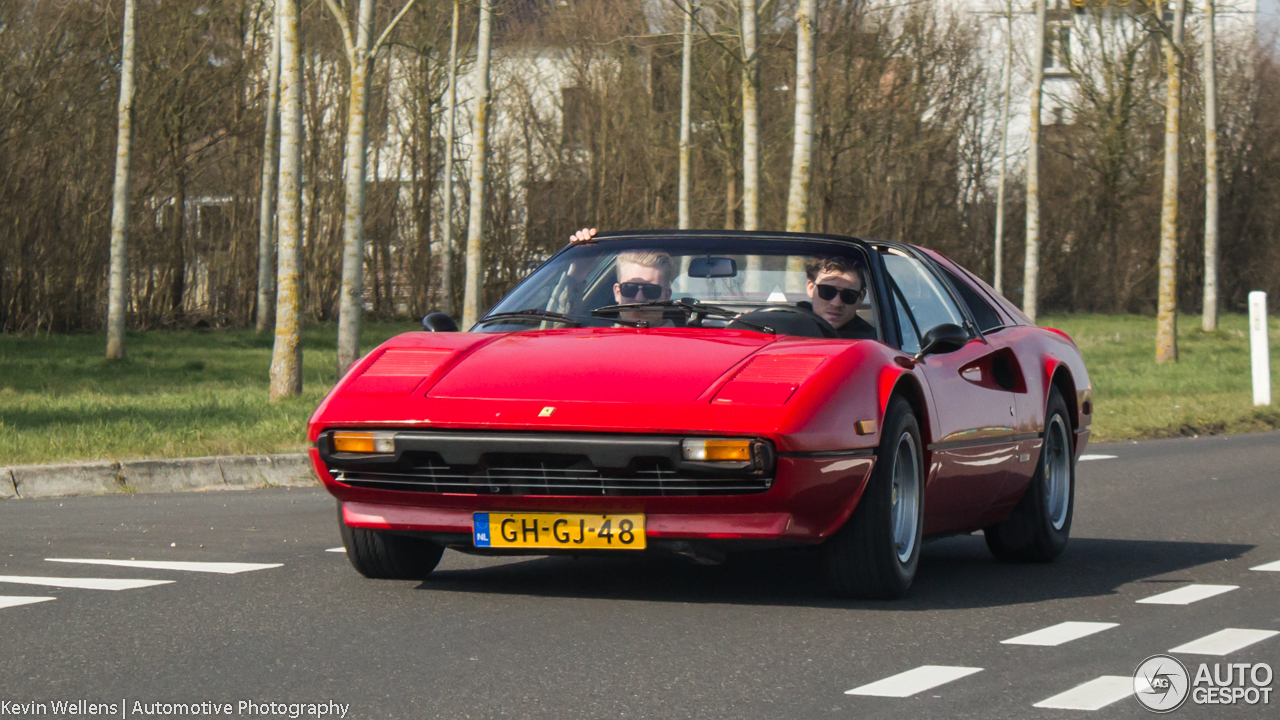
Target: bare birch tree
point(117, 279)
point(798, 196)
point(361, 50)
point(686, 108)
point(998, 271)
point(286, 353)
point(1031, 268)
point(267, 201)
point(1167, 298)
point(1209, 319)
point(473, 296)
point(750, 118)
point(451, 102)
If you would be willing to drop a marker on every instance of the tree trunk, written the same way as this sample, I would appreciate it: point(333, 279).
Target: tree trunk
point(1167, 299)
point(798, 197)
point(266, 204)
point(446, 240)
point(178, 260)
point(998, 273)
point(1210, 318)
point(473, 297)
point(750, 120)
point(117, 278)
point(1031, 270)
point(351, 294)
point(286, 354)
point(686, 104)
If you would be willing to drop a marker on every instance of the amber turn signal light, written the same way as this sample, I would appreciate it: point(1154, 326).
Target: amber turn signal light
point(717, 450)
point(364, 442)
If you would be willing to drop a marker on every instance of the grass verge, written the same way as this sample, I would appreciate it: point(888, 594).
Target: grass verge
point(1208, 391)
point(184, 394)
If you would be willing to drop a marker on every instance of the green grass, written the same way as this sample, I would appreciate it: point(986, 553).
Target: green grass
point(177, 394)
point(1208, 391)
point(182, 394)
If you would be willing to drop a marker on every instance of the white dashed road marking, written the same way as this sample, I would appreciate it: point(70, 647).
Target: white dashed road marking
point(1224, 642)
point(913, 681)
point(1269, 567)
point(16, 600)
point(1093, 695)
point(83, 583)
point(1187, 595)
point(1055, 635)
point(224, 568)
point(1084, 458)
point(337, 549)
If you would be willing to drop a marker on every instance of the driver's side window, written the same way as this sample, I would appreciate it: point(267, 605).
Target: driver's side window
point(927, 302)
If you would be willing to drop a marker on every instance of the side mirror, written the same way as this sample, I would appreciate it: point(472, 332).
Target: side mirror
point(943, 338)
point(439, 322)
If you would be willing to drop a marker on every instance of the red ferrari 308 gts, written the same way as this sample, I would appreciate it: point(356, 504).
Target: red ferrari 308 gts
point(702, 393)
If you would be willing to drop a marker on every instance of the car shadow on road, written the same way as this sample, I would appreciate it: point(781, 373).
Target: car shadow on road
point(954, 573)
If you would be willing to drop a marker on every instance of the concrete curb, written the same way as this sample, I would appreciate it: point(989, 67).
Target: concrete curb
point(230, 472)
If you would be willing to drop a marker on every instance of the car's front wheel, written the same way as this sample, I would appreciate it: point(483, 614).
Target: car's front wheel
point(382, 555)
point(875, 554)
point(1038, 528)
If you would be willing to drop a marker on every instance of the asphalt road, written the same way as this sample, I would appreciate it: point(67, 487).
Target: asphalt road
point(624, 638)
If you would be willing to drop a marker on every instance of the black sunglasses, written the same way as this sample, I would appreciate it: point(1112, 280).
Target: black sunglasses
point(650, 290)
point(847, 296)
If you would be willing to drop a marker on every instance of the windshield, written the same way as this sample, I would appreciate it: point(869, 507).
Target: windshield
point(777, 286)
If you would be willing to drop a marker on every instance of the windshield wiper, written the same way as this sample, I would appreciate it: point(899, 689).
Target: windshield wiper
point(690, 308)
point(548, 316)
point(531, 314)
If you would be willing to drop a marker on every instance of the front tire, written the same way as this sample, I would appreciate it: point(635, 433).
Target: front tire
point(1039, 526)
point(381, 555)
point(874, 556)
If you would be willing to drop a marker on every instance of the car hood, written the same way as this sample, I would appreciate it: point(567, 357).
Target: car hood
point(624, 366)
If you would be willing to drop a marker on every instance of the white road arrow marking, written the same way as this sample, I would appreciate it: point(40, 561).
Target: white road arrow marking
point(16, 600)
point(223, 568)
point(1187, 595)
point(1224, 642)
point(1055, 635)
point(82, 583)
point(913, 681)
point(1093, 695)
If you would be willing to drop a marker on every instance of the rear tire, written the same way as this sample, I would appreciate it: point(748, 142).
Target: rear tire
point(381, 555)
point(1039, 526)
point(874, 556)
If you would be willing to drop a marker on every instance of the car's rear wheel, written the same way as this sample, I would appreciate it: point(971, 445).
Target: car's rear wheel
point(382, 555)
point(875, 554)
point(1039, 526)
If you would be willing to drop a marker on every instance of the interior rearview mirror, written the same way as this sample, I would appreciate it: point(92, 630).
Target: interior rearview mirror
point(439, 322)
point(713, 267)
point(943, 338)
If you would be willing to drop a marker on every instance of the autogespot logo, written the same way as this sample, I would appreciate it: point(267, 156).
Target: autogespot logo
point(1161, 683)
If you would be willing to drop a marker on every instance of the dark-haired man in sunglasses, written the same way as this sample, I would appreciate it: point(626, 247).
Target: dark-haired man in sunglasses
point(836, 288)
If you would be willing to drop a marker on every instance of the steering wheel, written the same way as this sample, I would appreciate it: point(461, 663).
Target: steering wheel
point(824, 327)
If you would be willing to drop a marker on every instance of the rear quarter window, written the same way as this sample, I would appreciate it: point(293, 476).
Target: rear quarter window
point(983, 314)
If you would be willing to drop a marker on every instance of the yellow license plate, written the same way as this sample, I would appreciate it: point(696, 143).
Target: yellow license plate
point(565, 531)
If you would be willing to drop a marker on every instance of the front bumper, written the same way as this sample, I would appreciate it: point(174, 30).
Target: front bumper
point(809, 498)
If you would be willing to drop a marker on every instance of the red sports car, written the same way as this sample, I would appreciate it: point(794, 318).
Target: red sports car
point(702, 393)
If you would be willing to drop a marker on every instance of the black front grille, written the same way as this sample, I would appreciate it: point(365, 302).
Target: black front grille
point(474, 471)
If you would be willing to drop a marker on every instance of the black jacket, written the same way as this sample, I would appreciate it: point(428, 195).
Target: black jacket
point(855, 329)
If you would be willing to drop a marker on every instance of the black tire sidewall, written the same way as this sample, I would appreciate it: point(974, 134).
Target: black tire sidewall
point(1051, 539)
point(899, 420)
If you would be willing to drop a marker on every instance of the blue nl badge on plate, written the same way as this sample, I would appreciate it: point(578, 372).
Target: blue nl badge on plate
point(481, 532)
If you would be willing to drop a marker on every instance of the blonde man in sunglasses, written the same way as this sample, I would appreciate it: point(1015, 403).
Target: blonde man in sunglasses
point(642, 276)
point(835, 286)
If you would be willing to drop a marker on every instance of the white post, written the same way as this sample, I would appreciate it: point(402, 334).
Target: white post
point(1258, 348)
